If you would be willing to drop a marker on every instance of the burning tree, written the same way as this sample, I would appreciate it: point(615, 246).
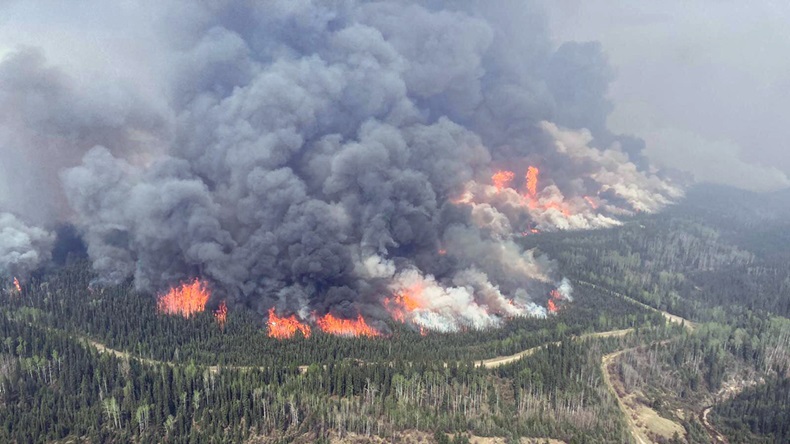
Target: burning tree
point(185, 299)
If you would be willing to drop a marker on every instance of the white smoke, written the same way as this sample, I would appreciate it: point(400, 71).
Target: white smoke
point(613, 170)
point(565, 289)
point(471, 301)
point(22, 247)
point(622, 190)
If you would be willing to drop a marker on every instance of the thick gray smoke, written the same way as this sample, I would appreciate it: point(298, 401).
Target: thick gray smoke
point(311, 155)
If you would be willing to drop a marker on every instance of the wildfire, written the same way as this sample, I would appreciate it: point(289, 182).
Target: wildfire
point(400, 304)
point(284, 328)
point(442, 251)
point(345, 327)
point(532, 181)
point(554, 299)
point(221, 315)
point(526, 195)
point(17, 285)
point(185, 299)
point(403, 303)
point(502, 179)
point(533, 174)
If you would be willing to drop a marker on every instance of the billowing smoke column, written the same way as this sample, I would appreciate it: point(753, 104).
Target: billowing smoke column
point(328, 163)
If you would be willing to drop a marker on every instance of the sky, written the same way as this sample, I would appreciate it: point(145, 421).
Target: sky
point(705, 83)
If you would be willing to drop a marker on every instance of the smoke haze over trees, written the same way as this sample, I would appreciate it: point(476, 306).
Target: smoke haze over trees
point(315, 156)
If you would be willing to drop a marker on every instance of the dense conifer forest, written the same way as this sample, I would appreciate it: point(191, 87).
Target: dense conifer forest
point(82, 363)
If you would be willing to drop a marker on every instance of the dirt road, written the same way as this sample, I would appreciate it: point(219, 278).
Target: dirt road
point(717, 437)
point(503, 360)
point(636, 431)
point(663, 424)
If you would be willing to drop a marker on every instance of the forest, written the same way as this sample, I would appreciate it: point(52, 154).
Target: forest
point(81, 363)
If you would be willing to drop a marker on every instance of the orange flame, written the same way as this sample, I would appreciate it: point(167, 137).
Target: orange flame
point(532, 197)
point(345, 327)
point(185, 299)
point(502, 179)
point(400, 304)
point(533, 174)
point(553, 300)
point(442, 252)
point(17, 285)
point(221, 315)
point(284, 328)
point(532, 181)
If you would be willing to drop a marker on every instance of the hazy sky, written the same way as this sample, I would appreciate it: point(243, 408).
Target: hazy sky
point(705, 83)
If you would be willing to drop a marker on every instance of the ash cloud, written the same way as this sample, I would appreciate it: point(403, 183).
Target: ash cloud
point(309, 154)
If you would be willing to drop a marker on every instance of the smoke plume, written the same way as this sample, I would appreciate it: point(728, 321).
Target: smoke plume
point(22, 247)
point(333, 157)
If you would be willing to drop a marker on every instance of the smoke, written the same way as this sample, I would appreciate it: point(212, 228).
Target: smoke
point(565, 289)
point(22, 247)
point(714, 161)
point(671, 95)
point(613, 171)
point(47, 123)
point(314, 156)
